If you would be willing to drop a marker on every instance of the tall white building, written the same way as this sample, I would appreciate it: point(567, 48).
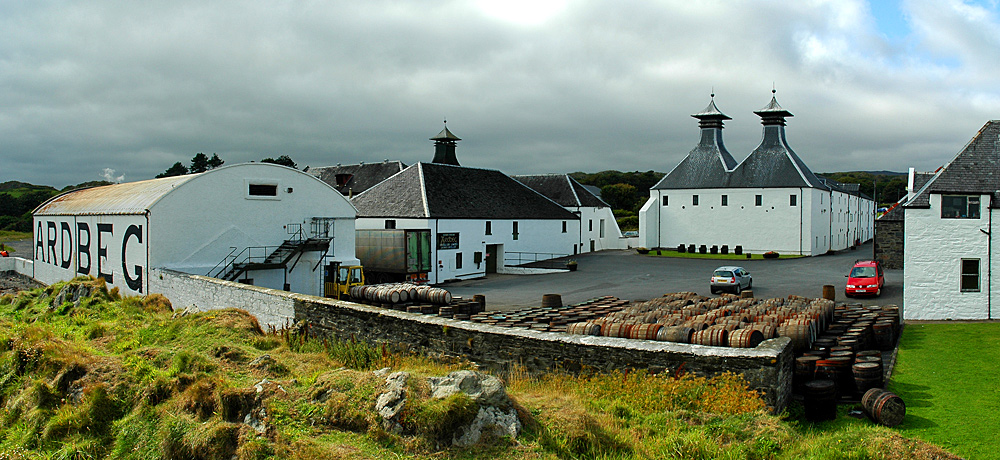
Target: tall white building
point(770, 201)
point(598, 226)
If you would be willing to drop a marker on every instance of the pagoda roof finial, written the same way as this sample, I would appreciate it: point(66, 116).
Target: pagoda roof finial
point(711, 112)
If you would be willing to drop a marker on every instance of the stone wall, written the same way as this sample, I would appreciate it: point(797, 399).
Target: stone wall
point(272, 308)
point(768, 368)
point(889, 243)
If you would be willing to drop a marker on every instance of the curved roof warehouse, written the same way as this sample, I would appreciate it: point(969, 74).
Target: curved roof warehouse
point(258, 223)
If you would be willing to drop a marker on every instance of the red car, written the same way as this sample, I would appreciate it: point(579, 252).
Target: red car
point(866, 278)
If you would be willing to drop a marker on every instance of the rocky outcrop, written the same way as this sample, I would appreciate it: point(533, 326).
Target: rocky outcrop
point(496, 416)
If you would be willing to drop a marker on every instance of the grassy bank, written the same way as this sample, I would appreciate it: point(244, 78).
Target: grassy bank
point(947, 375)
point(107, 377)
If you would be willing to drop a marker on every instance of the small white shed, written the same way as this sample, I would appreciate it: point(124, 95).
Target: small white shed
point(257, 223)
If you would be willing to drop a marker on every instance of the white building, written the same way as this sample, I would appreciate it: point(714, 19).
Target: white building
point(949, 250)
point(598, 226)
point(258, 223)
point(481, 220)
point(770, 201)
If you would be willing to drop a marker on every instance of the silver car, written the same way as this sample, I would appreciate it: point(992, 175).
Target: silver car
point(734, 279)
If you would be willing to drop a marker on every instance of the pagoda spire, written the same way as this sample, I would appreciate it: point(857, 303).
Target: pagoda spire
point(444, 147)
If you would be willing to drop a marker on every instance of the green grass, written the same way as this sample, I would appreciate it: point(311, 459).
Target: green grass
point(695, 255)
point(10, 235)
point(120, 378)
point(948, 374)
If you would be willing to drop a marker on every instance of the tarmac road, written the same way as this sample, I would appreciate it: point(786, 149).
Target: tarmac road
point(627, 275)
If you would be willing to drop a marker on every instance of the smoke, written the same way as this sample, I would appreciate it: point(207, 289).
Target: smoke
point(109, 175)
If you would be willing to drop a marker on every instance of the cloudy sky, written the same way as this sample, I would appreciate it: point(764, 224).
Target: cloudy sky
point(532, 86)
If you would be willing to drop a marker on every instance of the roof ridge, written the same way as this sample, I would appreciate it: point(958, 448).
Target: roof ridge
point(569, 181)
point(423, 190)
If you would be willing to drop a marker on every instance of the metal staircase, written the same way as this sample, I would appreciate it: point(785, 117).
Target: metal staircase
point(235, 264)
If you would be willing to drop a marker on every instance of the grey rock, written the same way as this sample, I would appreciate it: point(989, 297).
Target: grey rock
point(490, 421)
point(256, 420)
point(190, 310)
point(392, 400)
point(264, 361)
point(382, 372)
point(484, 389)
point(496, 417)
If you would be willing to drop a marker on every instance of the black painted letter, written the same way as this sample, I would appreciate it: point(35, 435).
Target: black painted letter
point(84, 248)
point(136, 283)
point(102, 251)
point(65, 244)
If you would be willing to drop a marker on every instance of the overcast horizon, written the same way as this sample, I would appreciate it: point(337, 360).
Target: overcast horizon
point(531, 86)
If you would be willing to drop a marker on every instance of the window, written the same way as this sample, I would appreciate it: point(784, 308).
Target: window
point(590, 225)
point(793, 200)
point(758, 200)
point(564, 226)
point(489, 228)
point(263, 190)
point(959, 207)
point(970, 275)
point(665, 200)
point(390, 224)
point(694, 200)
point(458, 261)
point(725, 200)
point(602, 228)
point(515, 231)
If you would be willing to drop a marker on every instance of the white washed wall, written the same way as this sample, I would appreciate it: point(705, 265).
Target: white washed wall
point(18, 265)
point(612, 238)
point(194, 239)
point(932, 264)
point(772, 226)
point(534, 236)
point(271, 307)
point(112, 247)
point(649, 221)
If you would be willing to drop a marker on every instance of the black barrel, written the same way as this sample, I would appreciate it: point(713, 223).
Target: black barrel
point(820, 400)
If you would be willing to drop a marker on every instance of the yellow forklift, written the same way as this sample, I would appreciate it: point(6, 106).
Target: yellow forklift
point(339, 279)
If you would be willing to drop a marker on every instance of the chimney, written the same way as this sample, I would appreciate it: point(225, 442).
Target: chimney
point(910, 183)
point(444, 147)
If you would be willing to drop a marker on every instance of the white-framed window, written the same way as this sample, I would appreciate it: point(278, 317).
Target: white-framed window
point(564, 226)
point(458, 260)
point(665, 200)
point(725, 200)
point(489, 227)
point(390, 224)
point(793, 200)
point(758, 200)
point(514, 233)
point(694, 200)
point(261, 189)
point(970, 275)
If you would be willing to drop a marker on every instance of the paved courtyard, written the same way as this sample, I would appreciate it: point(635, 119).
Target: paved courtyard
point(627, 275)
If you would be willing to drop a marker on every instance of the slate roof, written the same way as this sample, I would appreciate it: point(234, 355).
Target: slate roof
point(439, 191)
point(709, 163)
point(975, 169)
point(362, 176)
point(562, 189)
point(773, 164)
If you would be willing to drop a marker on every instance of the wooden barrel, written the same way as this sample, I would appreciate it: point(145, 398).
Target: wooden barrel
point(616, 329)
point(805, 369)
point(551, 300)
point(883, 407)
point(829, 292)
point(820, 400)
point(747, 294)
point(481, 300)
point(679, 334)
point(799, 333)
point(711, 337)
point(645, 331)
point(837, 372)
point(867, 375)
point(883, 332)
point(745, 338)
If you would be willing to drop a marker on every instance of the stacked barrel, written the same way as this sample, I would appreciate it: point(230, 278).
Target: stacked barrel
point(725, 321)
point(400, 293)
point(553, 316)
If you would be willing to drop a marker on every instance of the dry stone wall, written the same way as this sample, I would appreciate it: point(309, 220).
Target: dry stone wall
point(768, 368)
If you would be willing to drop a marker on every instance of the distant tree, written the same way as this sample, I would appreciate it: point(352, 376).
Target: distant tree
point(283, 160)
point(176, 170)
point(620, 196)
point(215, 161)
point(199, 163)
